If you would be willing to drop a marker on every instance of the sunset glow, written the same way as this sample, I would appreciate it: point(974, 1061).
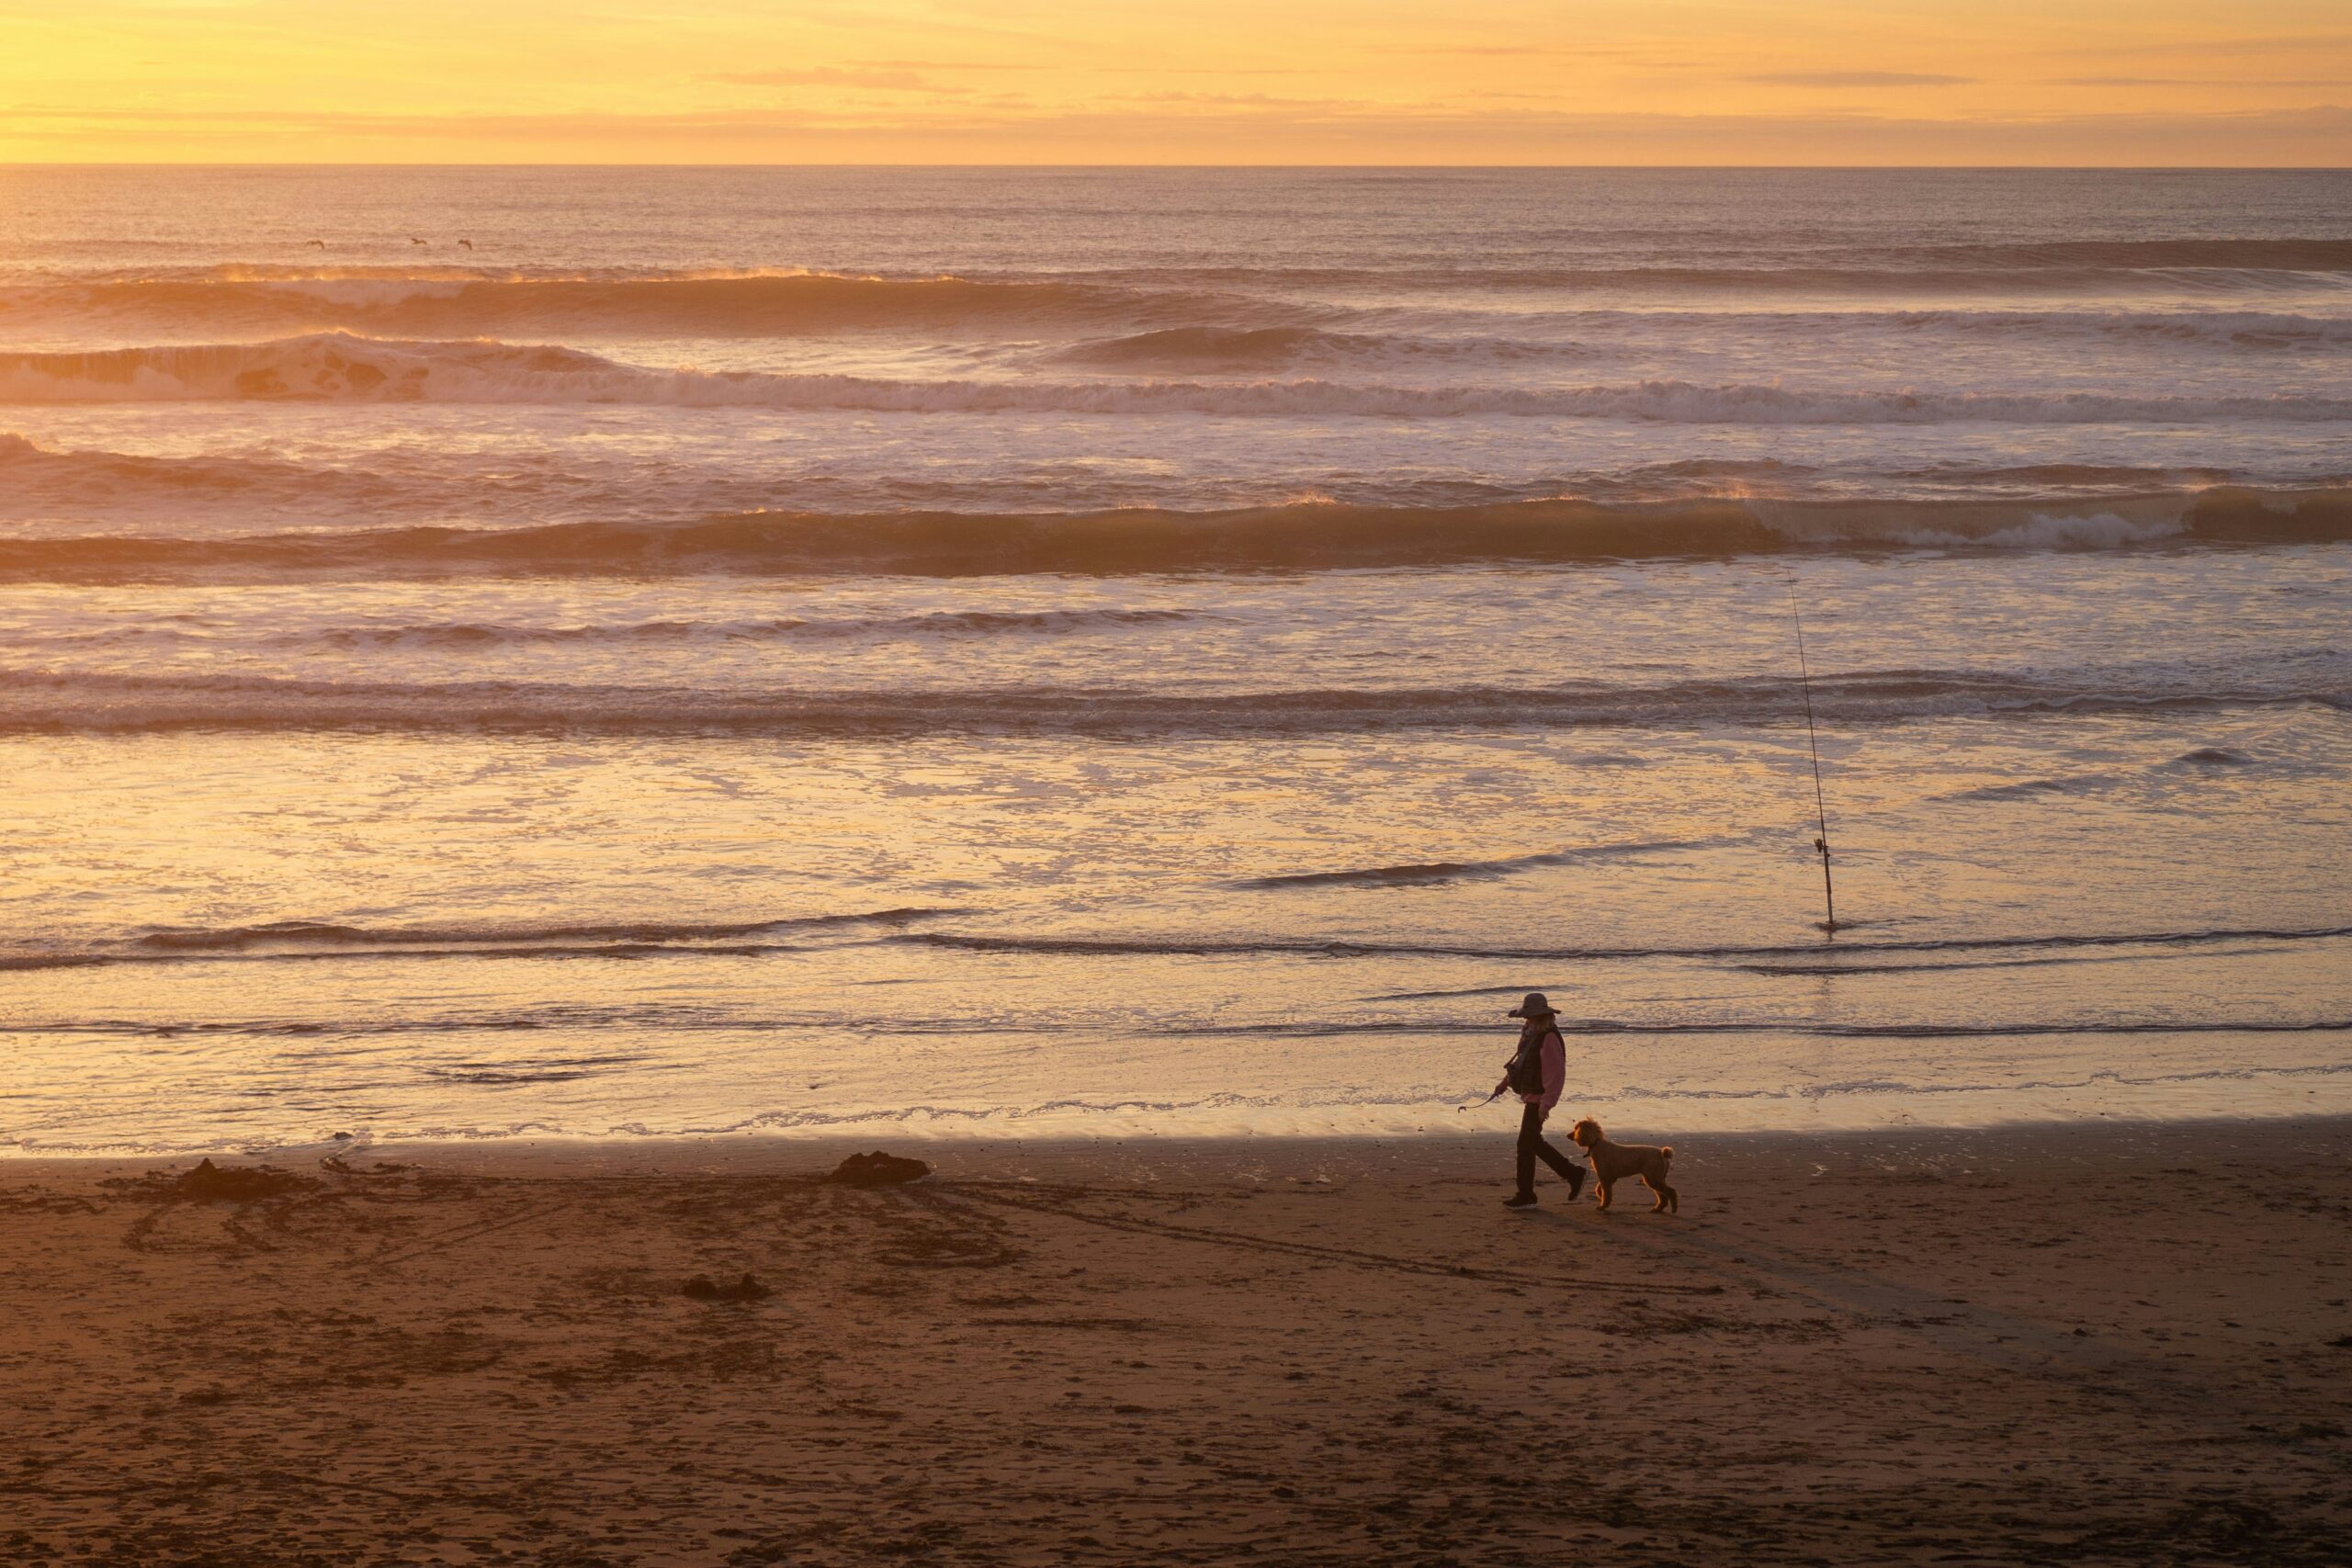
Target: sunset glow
point(1319, 783)
point(1211, 81)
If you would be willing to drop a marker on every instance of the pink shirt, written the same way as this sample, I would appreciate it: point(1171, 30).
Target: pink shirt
point(1554, 1055)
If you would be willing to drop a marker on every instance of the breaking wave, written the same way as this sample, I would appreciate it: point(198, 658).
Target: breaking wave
point(1244, 350)
point(2030, 789)
point(1209, 347)
point(41, 700)
point(322, 939)
point(461, 302)
point(1296, 537)
point(38, 478)
point(2205, 758)
point(323, 933)
point(1436, 873)
point(336, 366)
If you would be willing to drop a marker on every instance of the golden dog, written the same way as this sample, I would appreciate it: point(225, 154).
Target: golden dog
point(1611, 1163)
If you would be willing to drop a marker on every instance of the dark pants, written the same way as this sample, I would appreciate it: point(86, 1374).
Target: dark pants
point(1531, 1147)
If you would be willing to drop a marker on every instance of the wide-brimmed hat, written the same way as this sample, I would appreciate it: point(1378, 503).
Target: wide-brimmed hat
point(1537, 1005)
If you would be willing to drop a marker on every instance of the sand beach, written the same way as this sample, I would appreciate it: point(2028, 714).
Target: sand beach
point(2121, 1343)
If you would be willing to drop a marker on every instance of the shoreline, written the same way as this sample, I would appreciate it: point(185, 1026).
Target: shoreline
point(706, 1153)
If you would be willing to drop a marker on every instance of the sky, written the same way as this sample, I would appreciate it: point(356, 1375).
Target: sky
point(1894, 81)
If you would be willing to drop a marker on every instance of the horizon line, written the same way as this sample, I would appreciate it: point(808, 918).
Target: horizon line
point(812, 163)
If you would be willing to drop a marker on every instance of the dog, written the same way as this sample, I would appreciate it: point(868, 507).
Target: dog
point(1611, 1163)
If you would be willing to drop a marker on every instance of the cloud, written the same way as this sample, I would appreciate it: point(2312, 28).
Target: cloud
point(1857, 79)
point(1193, 70)
point(886, 80)
point(948, 65)
point(2297, 44)
point(1511, 51)
point(2194, 81)
point(1239, 101)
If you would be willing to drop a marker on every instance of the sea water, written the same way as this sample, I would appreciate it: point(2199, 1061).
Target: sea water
point(1110, 652)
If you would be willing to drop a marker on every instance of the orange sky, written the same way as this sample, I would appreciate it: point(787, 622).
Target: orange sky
point(2161, 82)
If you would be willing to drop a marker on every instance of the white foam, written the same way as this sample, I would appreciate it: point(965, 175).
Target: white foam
point(338, 367)
point(2100, 531)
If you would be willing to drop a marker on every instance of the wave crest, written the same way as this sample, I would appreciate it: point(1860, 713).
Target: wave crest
point(337, 367)
point(329, 939)
point(1245, 350)
point(1230, 348)
point(437, 299)
point(1296, 537)
point(43, 700)
point(1437, 873)
point(459, 302)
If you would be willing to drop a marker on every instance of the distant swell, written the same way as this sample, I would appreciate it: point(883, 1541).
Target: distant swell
point(1303, 537)
point(2234, 252)
point(2229, 264)
point(2233, 329)
point(2215, 327)
point(467, 301)
point(338, 367)
point(36, 700)
point(468, 636)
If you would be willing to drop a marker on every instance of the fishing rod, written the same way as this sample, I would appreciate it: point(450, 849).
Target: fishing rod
point(1813, 741)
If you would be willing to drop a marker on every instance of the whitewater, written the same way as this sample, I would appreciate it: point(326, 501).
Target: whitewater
point(1141, 653)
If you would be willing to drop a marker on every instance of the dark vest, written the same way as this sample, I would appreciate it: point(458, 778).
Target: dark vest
point(1526, 1070)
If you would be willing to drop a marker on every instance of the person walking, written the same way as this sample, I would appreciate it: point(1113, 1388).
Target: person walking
point(1536, 1072)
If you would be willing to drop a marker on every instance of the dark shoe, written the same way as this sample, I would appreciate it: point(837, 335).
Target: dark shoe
point(1575, 1183)
point(1519, 1200)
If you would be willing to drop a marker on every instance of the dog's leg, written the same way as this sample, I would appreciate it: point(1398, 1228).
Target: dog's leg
point(1608, 1191)
point(1673, 1199)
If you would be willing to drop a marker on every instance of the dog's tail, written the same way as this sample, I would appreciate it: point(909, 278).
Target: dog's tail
point(1665, 1158)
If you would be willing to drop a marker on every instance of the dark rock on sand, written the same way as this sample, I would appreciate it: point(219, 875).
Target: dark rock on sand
point(746, 1288)
point(209, 1183)
point(878, 1169)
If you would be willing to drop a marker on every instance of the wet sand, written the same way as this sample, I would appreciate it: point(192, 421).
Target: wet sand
point(2124, 1344)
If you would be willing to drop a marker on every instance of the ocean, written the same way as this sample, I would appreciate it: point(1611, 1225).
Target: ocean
point(1101, 652)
